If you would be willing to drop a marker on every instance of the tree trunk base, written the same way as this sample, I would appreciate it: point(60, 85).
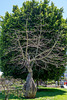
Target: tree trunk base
point(29, 87)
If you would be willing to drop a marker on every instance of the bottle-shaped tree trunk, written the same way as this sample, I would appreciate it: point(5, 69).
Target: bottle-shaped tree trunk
point(29, 87)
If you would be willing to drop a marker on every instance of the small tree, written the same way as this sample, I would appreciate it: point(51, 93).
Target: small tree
point(9, 86)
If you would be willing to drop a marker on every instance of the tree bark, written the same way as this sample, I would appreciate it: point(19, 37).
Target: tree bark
point(6, 97)
point(45, 83)
point(37, 84)
point(40, 81)
point(29, 87)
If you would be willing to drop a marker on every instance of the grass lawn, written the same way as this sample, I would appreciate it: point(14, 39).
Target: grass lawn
point(44, 93)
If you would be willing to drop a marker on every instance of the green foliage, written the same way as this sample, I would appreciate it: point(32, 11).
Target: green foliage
point(55, 73)
point(50, 15)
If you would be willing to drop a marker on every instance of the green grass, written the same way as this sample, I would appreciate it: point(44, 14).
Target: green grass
point(44, 93)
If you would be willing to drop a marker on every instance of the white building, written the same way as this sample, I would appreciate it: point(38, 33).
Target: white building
point(1, 73)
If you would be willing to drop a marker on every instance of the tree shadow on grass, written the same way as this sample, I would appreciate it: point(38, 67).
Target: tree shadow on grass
point(48, 92)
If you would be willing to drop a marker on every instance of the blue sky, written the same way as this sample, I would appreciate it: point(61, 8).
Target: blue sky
point(6, 5)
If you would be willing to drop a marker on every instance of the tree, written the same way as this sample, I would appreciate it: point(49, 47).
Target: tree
point(0, 40)
point(30, 37)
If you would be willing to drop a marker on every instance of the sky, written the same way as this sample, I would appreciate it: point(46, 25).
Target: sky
point(7, 5)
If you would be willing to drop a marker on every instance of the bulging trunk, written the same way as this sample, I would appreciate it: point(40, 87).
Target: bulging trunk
point(29, 87)
point(6, 98)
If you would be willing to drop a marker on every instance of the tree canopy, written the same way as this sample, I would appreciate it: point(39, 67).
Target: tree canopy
point(41, 34)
